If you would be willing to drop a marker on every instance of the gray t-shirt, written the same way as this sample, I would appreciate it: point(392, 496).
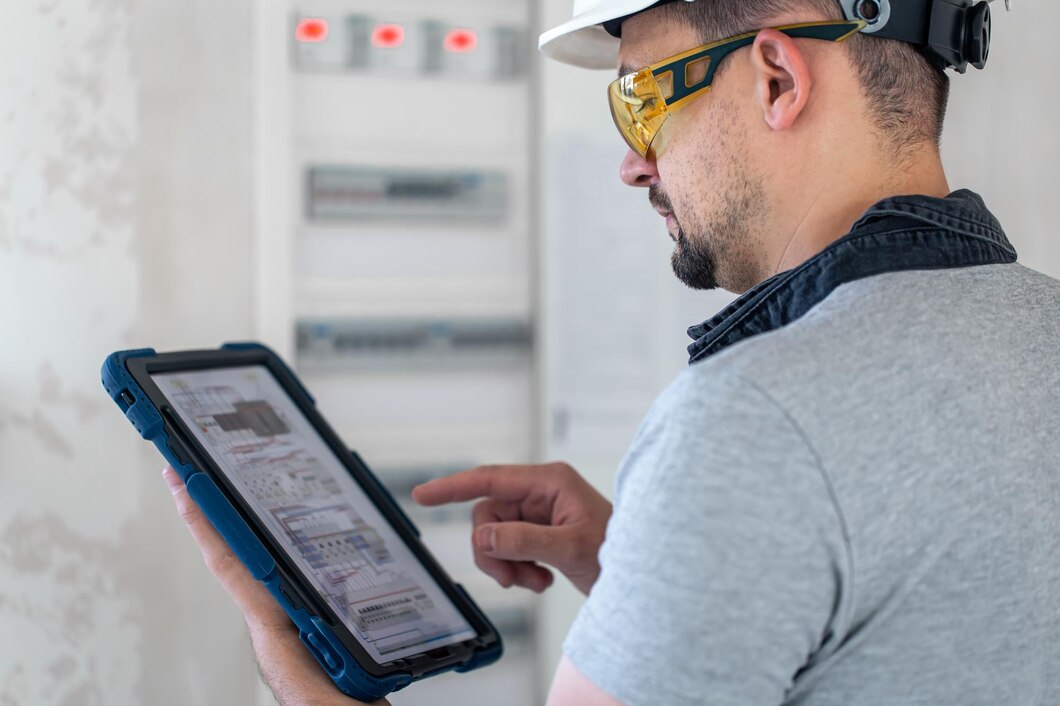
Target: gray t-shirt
point(857, 509)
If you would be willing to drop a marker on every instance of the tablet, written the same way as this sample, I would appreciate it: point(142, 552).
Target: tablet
point(304, 514)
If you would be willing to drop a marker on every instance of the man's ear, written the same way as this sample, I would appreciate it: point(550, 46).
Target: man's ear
point(782, 78)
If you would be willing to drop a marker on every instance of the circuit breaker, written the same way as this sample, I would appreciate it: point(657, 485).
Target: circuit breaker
point(408, 45)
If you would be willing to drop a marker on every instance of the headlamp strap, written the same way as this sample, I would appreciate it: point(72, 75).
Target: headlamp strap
point(953, 33)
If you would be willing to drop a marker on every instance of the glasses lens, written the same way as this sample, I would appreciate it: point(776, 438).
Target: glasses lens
point(638, 108)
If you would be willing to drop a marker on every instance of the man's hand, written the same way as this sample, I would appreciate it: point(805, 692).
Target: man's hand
point(530, 514)
point(290, 671)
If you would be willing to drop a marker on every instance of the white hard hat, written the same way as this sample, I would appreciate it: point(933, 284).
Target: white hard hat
point(583, 41)
point(942, 36)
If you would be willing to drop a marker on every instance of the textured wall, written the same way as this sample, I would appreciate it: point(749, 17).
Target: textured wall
point(124, 159)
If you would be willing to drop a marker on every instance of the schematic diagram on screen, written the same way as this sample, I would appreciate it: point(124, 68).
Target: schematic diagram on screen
point(304, 494)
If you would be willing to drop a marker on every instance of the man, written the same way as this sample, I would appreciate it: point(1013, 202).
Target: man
point(852, 494)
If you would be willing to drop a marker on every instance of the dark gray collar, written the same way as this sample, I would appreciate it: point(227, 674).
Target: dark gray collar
point(897, 234)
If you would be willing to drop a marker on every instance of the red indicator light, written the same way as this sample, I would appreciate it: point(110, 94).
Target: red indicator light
point(311, 29)
point(388, 36)
point(461, 41)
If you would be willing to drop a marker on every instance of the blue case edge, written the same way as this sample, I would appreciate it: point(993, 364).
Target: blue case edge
point(348, 676)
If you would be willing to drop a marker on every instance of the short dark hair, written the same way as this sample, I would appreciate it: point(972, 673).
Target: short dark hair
point(907, 91)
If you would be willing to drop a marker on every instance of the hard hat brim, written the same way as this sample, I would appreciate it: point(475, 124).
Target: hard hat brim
point(583, 42)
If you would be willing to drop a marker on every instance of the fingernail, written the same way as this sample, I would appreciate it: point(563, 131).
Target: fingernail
point(486, 538)
point(172, 480)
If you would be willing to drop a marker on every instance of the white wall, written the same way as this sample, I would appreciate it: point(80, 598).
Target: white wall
point(124, 220)
point(1001, 137)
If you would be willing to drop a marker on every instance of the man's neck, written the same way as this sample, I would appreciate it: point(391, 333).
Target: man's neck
point(837, 204)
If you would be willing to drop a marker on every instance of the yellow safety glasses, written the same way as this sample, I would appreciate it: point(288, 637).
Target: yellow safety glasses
point(641, 101)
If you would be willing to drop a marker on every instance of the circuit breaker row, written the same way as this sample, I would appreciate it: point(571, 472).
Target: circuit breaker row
point(418, 46)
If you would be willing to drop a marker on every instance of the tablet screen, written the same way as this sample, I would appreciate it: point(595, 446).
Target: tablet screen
point(299, 489)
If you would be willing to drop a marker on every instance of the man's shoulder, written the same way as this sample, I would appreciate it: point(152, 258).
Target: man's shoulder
point(888, 322)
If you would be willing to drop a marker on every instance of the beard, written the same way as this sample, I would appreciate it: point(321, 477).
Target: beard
point(693, 261)
point(719, 253)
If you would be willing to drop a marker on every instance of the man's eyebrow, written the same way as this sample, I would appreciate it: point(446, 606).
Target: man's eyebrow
point(625, 69)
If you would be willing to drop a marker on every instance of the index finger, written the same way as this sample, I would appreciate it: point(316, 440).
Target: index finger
point(504, 483)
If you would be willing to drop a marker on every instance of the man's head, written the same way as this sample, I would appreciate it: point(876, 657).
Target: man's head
point(907, 92)
point(790, 126)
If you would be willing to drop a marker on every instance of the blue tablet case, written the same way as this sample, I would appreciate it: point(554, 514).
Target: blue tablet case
point(317, 636)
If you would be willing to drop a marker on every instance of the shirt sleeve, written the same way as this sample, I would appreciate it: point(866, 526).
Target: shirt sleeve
point(722, 564)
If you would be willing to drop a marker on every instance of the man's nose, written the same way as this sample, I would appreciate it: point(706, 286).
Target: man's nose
point(638, 171)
